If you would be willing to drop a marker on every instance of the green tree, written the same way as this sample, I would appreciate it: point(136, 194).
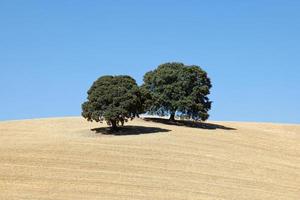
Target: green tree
point(177, 88)
point(114, 99)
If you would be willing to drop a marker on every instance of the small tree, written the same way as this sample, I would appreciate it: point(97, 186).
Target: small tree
point(175, 87)
point(114, 99)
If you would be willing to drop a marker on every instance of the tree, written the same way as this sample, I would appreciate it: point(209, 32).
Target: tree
point(114, 99)
point(177, 88)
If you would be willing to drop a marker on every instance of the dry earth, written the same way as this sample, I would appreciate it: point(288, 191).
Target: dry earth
point(61, 158)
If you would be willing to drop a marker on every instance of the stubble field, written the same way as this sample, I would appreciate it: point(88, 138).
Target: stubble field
point(61, 158)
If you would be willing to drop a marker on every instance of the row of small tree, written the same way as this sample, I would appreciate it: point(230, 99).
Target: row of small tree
point(171, 89)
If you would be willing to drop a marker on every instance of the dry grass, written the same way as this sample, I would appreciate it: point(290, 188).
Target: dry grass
point(63, 159)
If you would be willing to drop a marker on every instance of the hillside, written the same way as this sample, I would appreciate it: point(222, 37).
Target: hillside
point(61, 158)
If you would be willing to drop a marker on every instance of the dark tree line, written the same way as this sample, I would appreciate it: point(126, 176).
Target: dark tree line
point(171, 89)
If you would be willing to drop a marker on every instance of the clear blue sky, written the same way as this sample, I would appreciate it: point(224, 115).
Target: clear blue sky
point(52, 51)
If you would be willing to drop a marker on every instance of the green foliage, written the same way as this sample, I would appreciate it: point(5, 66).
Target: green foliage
point(171, 88)
point(175, 87)
point(114, 99)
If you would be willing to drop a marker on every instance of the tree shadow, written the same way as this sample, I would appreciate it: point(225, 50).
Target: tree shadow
point(130, 130)
point(189, 123)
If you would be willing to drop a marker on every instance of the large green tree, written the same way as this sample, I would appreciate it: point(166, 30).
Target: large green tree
point(114, 99)
point(178, 88)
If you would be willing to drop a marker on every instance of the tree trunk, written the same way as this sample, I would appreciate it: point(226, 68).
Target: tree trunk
point(114, 126)
point(172, 116)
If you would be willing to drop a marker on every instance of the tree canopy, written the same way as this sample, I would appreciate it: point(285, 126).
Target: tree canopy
point(178, 88)
point(171, 89)
point(114, 99)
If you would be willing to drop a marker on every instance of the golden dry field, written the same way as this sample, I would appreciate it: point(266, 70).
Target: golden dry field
point(61, 158)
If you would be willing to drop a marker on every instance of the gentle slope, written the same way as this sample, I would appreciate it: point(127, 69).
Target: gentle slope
point(62, 159)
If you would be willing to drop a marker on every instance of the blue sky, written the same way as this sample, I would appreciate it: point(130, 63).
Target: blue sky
point(52, 51)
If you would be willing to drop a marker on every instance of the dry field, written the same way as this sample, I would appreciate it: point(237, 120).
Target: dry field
point(61, 158)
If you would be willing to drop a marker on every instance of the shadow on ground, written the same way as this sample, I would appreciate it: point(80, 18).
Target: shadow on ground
point(130, 130)
point(187, 123)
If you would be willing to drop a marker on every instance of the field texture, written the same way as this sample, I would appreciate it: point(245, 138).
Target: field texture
point(61, 158)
